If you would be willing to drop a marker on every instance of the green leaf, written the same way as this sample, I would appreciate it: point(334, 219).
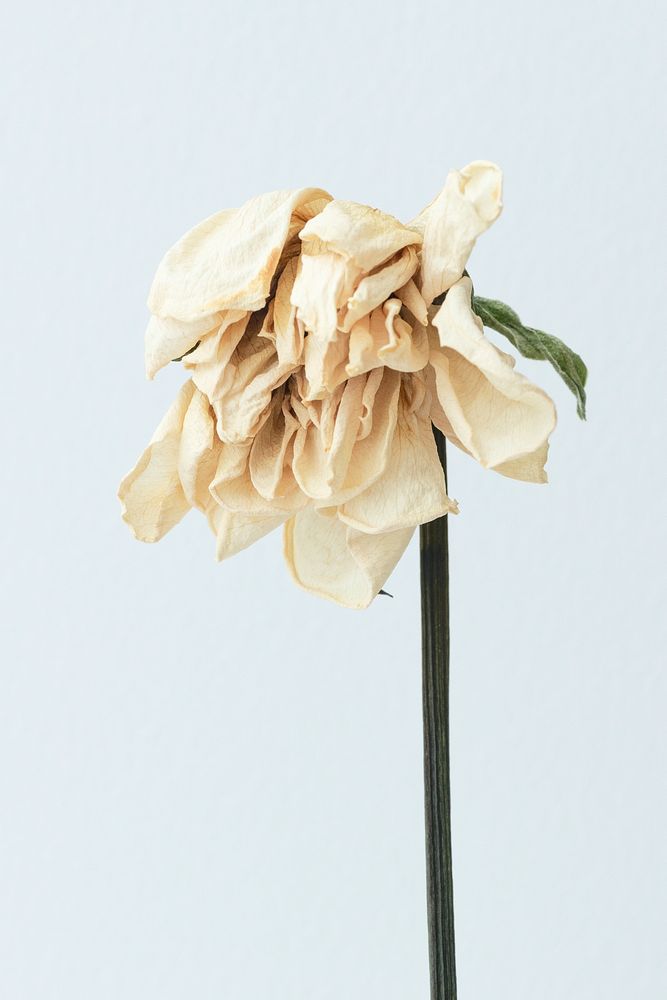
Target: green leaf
point(536, 344)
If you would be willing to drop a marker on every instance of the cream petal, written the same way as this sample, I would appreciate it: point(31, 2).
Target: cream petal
point(229, 259)
point(411, 490)
point(267, 328)
point(322, 452)
point(406, 349)
point(385, 338)
point(528, 468)
point(245, 392)
point(321, 285)
point(271, 453)
point(166, 480)
point(438, 416)
point(376, 431)
point(209, 346)
point(367, 337)
point(331, 560)
point(301, 215)
point(210, 363)
point(374, 289)
point(469, 203)
point(288, 329)
point(232, 486)
point(362, 235)
point(371, 388)
point(411, 298)
point(498, 415)
point(198, 452)
point(235, 532)
point(169, 339)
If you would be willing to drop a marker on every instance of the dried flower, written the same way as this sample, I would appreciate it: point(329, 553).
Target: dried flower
point(319, 363)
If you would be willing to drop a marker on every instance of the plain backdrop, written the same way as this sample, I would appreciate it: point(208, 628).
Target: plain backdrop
point(210, 782)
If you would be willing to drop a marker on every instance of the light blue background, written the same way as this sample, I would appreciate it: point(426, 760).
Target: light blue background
point(210, 782)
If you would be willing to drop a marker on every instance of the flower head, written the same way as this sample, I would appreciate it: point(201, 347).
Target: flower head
point(324, 339)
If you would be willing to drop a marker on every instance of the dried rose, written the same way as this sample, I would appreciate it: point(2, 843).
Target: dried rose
point(322, 354)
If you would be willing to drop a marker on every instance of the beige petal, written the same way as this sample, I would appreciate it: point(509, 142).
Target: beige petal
point(167, 479)
point(232, 486)
point(288, 329)
point(374, 289)
point(497, 415)
point(362, 235)
point(411, 490)
point(406, 349)
point(384, 338)
point(228, 261)
point(321, 286)
point(245, 392)
point(270, 460)
point(322, 452)
point(198, 452)
point(169, 339)
point(367, 337)
point(235, 532)
point(469, 203)
point(377, 425)
point(331, 560)
point(411, 298)
point(210, 363)
point(267, 328)
point(209, 346)
point(528, 468)
point(327, 471)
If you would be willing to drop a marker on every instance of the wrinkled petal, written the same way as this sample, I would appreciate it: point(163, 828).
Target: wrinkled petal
point(169, 339)
point(235, 532)
point(374, 289)
point(322, 451)
point(198, 452)
point(270, 461)
point(362, 235)
point(287, 328)
point(232, 485)
point(209, 363)
point(250, 377)
point(385, 338)
point(469, 203)
point(412, 299)
point(334, 561)
point(412, 489)
point(496, 414)
point(377, 424)
point(321, 285)
point(228, 261)
point(330, 474)
point(528, 468)
point(406, 349)
point(169, 477)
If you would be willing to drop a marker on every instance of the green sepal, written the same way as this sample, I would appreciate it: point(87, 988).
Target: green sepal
point(535, 344)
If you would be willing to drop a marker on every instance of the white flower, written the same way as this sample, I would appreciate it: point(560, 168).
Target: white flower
point(319, 365)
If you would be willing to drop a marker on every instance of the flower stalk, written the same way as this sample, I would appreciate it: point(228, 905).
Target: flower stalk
point(434, 566)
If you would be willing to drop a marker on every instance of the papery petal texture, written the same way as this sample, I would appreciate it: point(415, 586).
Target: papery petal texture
point(324, 340)
point(332, 560)
point(174, 471)
point(229, 260)
point(469, 203)
point(496, 414)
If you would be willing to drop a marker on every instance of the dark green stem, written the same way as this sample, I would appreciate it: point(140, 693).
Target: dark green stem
point(435, 680)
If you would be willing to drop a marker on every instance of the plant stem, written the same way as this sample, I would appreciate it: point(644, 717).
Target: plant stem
point(434, 564)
